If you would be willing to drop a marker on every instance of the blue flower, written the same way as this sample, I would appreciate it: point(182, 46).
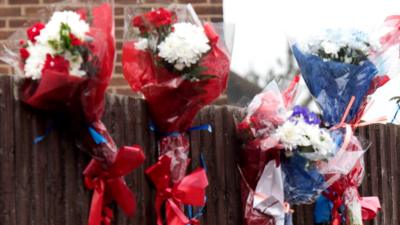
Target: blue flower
point(309, 117)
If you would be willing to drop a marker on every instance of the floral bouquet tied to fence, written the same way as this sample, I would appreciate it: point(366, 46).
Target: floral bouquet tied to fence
point(64, 64)
point(282, 148)
point(341, 68)
point(289, 157)
point(337, 65)
point(180, 65)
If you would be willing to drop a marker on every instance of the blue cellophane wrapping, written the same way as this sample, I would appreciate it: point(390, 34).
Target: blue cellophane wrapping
point(334, 83)
point(302, 184)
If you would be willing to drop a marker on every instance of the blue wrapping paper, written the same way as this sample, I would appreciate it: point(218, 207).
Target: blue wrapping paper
point(334, 83)
point(302, 185)
point(322, 210)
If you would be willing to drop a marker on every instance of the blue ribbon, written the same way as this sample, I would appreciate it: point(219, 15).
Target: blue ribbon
point(97, 137)
point(40, 138)
point(322, 210)
point(395, 115)
point(206, 127)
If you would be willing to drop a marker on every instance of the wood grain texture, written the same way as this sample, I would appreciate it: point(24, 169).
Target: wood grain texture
point(42, 183)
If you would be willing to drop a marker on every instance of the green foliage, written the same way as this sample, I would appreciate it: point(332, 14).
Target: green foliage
point(355, 56)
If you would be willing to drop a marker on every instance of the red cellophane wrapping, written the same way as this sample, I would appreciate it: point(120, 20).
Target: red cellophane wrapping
point(346, 188)
point(172, 100)
point(265, 112)
point(81, 97)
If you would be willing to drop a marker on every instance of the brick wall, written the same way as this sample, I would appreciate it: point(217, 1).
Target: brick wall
point(13, 14)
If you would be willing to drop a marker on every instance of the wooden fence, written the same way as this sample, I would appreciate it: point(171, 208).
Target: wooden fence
point(41, 184)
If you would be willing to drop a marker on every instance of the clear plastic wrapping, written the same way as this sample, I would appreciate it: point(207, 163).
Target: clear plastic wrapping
point(304, 165)
point(179, 64)
point(64, 58)
point(338, 64)
point(176, 82)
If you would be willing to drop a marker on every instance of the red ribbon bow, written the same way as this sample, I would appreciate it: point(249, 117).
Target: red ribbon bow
point(369, 207)
point(337, 203)
point(108, 185)
point(190, 191)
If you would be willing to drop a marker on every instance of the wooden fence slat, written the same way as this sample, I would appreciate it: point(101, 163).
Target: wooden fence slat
point(23, 159)
point(7, 153)
point(209, 153)
point(395, 167)
point(231, 150)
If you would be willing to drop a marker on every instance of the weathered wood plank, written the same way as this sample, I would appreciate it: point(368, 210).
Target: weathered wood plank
point(7, 153)
point(23, 158)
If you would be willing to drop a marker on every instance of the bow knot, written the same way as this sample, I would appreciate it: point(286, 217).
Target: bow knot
point(190, 191)
point(109, 185)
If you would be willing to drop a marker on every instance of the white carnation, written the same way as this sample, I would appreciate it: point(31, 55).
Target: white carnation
point(184, 46)
point(51, 31)
point(288, 134)
point(330, 48)
point(35, 62)
point(294, 134)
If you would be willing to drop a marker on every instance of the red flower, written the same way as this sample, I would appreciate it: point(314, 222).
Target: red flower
point(159, 17)
point(23, 53)
point(22, 42)
point(74, 40)
point(34, 31)
point(243, 126)
point(56, 63)
point(139, 23)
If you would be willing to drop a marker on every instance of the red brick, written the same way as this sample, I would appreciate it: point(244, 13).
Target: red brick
point(16, 23)
point(20, 2)
point(119, 57)
point(208, 10)
point(217, 19)
point(4, 70)
point(119, 11)
point(192, 1)
point(119, 22)
point(10, 11)
point(118, 81)
point(125, 91)
point(125, 1)
point(5, 34)
point(119, 33)
point(118, 68)
point(52, 1)
point(155, 2)
point(33, 11)
point(2, 23)
point(119, 44)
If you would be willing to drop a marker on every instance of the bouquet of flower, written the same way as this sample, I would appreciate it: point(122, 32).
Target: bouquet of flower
point(180, 65)
point(65, 63)
point(177, 63)
point(283, 149)
point(337, 65)
point(341, 69)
